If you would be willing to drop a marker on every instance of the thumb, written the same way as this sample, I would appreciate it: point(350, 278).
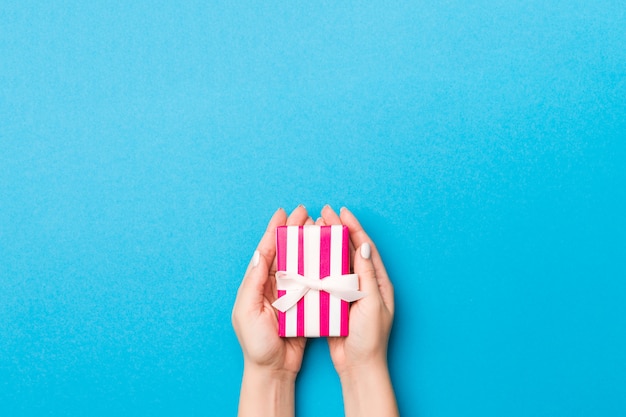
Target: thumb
point(253, 286)
point(364, 268)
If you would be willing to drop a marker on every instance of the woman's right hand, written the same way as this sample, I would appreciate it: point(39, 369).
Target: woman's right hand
point(360, 359)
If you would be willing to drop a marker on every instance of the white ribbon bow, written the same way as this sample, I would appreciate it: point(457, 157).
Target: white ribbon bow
point(345, 287)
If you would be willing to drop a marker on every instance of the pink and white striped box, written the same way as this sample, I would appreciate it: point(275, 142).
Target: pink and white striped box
point(317, 252)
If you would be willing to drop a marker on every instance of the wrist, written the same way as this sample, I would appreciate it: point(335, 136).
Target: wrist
point(266, 391)
point(374, 363)
point(268, 374)
point(355, 372)
point(368, 391)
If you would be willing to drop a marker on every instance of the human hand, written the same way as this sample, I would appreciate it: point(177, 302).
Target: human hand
point(360, 359)
point(271, 363)
point(370, 317)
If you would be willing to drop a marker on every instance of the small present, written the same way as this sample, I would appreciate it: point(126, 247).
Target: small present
point(313, 279)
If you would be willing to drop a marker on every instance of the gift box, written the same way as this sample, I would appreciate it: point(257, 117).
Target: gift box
point(313, 279)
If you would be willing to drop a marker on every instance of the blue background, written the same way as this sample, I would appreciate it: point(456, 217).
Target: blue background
point(144, 146)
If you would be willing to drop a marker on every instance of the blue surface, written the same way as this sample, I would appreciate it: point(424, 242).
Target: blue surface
point(144, 147)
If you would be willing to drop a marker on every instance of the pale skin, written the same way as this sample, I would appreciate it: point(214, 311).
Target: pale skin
point(272, 363)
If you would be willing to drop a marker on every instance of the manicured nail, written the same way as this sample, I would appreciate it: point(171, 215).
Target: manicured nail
point(301, 205)
point(366, 251)
point(319, 219)
point(326, 206)
point(342, 209)
point(255, 258)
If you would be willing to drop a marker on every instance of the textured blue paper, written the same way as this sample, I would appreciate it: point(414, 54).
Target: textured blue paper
point(144, 146)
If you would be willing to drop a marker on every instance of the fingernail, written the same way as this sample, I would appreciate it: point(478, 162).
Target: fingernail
point(255, 258)
point(301, 205)
point(342, 209)
point(326, 206)
point(319, 219)
point(366, 251)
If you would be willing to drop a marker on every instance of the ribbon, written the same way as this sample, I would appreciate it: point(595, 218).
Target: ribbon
point(345, 287)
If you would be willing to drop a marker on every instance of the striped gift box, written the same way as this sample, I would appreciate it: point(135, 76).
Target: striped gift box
point(315, 252)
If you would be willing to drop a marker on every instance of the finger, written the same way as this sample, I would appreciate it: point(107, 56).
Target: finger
point(267, 245)
point(357, 234)
point(320, 221)
point(298, 216)
point(309, 221)
point(369, 281)
point(359, 237)
point(329, 215)
point(364, 268)
point(252, 290)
